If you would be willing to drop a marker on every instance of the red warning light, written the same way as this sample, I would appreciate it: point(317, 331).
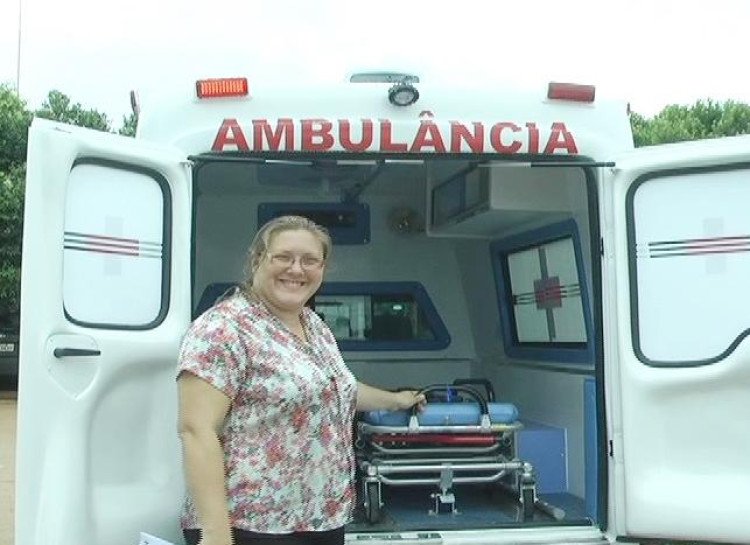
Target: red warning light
point(223, 87)
point(571, 91)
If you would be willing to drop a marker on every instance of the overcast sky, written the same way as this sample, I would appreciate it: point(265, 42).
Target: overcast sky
point(648, 52)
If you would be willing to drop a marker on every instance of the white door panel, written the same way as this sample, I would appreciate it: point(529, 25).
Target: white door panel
point(103, 315)
point(681, 358)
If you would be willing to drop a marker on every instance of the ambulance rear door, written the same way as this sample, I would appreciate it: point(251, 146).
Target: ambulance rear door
point(105, 302)
point(677, 355)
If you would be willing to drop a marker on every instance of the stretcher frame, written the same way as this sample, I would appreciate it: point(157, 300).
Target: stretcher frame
point(400, 465)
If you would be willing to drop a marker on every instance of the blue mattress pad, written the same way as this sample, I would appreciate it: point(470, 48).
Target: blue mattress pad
point(445, 414)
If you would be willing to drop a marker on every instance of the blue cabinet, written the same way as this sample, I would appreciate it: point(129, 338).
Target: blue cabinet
point(545, 448)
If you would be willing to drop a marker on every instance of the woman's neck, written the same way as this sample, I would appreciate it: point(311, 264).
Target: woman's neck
point(290, 318)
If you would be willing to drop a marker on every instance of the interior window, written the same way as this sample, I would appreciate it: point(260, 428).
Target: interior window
point(546, 294)
point(542, 296)
point(380, 315)
point(374, 317)
point(368, 315)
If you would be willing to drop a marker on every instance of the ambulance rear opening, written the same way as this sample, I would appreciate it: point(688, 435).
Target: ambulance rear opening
point(465, 242)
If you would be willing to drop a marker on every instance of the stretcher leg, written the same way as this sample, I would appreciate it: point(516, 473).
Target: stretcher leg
point(372, 501)
point(445, 500)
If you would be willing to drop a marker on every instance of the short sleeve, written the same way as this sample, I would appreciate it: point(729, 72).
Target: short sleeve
point(213, 351)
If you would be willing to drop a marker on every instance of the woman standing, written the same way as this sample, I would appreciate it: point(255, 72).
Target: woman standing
point(267, 404)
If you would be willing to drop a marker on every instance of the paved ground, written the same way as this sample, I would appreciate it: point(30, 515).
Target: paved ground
point(7, 465)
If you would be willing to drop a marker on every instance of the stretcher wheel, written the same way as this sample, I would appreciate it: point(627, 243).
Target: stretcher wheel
point(527, 503)
point(372, 507)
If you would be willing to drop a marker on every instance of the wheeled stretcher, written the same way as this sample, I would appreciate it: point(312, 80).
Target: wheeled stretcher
point(462, 438)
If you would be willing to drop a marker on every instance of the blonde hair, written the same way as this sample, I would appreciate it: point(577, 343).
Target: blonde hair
point(265, 234)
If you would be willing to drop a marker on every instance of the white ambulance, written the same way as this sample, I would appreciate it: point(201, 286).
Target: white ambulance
point(515, 238)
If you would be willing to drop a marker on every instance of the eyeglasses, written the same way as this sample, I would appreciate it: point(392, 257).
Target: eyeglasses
point(306, 261)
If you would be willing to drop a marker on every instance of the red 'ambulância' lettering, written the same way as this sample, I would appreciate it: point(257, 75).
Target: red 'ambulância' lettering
point(323, 135)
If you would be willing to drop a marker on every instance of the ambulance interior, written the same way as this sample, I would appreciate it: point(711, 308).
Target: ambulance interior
point(443, 269)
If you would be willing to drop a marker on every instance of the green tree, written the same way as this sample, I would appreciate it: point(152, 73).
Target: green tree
point(11, 230)
point(14, 126)
point(129, 124)
point(58, 107)
point(704, 119)
point(640, 126)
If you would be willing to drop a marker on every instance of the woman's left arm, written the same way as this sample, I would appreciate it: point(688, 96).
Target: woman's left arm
point(373, 399)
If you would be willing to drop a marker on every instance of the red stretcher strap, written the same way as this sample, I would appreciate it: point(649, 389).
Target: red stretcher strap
point(442, 438)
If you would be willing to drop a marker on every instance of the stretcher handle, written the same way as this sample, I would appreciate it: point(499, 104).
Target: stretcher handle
point(480, 382)
point(463, 389)
point(443, 438)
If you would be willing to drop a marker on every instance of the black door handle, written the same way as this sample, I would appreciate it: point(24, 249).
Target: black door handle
point(63, 352)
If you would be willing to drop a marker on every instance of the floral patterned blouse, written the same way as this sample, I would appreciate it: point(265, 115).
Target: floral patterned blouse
point(287, 439)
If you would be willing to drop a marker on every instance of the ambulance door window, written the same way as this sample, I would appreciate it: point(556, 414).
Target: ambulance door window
point(116, 246)
point(689, 239)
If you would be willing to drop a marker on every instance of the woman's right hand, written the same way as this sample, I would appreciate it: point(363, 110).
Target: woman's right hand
point(406, 399)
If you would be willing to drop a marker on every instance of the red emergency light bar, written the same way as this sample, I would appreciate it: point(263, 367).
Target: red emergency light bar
point(223, 87)
point(571, 91)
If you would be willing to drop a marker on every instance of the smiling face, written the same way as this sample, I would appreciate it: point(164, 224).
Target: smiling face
point(290, 271)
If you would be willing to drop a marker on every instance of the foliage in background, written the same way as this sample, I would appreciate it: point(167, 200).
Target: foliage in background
point(11, 230)
point(704, 119)
point(14, 125)
point(59, 108)
point(129, 124)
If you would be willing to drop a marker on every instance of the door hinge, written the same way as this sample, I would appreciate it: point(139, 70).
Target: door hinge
point(611, 448)
point(601, 246)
